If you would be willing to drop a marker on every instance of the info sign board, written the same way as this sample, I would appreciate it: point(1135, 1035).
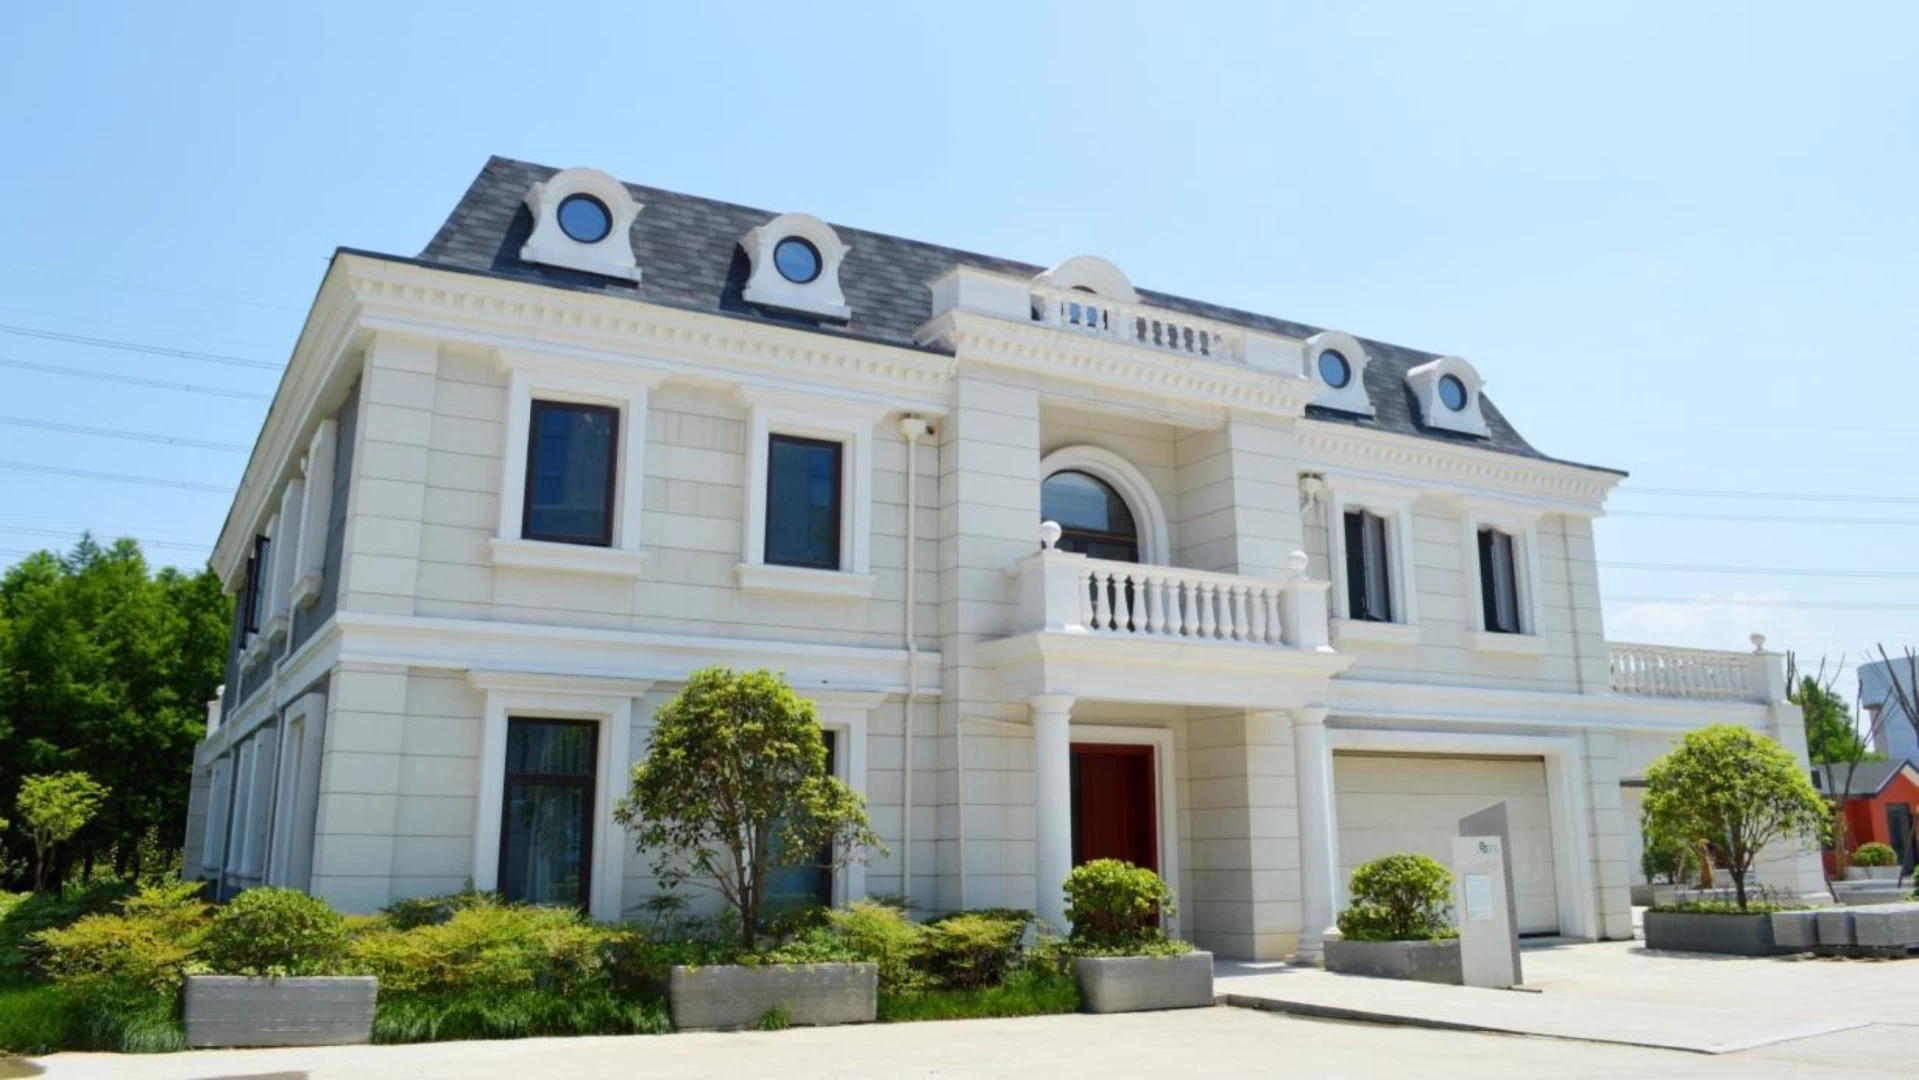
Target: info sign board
point(1488, 945)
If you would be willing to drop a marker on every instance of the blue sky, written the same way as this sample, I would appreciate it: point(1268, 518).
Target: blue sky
point(1676, 239)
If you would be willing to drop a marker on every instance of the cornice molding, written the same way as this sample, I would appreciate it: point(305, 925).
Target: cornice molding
point(1454, 471)
point(1047, 351)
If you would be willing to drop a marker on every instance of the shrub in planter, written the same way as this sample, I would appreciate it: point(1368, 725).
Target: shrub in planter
point(275, 931)
point(1122, 958)
point(884, 936)
point(1875, 854)
point(1399, 898)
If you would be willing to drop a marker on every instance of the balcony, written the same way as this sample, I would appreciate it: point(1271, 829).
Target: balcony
point(1136, 324)
point(1692, 674)
point(1133, 632)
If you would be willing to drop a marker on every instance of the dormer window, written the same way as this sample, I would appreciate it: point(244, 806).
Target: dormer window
point(1447, 390)
point(795, 262)
point(585, 218)
point(582, 220)
point(1338, 363)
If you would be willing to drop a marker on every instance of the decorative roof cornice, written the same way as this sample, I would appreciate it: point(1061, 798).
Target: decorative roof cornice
point(1048, 351)
point(1456, 470)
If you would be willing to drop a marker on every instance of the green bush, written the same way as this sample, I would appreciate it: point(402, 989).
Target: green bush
point(1724, 907)
point(489, 948)
point(1114, 905)
point(33, 1020)
point(275, 931)
point(1399, 898)
point(1028, 991)
point(434, 910)
point(105, 963)
point(970, 949)
point(1875, 854)
point(885, 936)
point(24, 915)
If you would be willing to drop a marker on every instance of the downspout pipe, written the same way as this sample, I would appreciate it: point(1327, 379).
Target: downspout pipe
point(912, 428)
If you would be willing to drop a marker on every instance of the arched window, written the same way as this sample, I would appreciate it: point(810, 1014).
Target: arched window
point(1093, 519)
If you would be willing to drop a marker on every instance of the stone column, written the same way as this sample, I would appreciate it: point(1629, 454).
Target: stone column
point(1318, 832)
point(1052, 805)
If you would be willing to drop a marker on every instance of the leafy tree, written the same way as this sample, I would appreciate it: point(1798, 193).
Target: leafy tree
point(106, 667)
point(53, 808)
point(1735, 790)
point(1835, 745)
point(735, 786)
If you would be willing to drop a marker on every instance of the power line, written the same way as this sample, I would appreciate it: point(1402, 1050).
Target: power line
point(120, 478)
point(140, 347)
point(131, 380)
point(1696, 601)
point(1787, 496)
point(1777, 518)
point(180, 545)
point(1900, 575)
point(134, 436)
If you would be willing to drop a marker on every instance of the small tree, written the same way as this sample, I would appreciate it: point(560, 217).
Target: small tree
point(1835, 746)
point(734, 786)
point(1735, 790)
point(54, 807)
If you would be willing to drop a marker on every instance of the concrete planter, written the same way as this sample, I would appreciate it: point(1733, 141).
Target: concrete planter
point(729, 997)
point(1117, 984)
point(320, 1010)
point(1738, 935)
point(1420, 961)
point(1654, 895)
point(1872, 873)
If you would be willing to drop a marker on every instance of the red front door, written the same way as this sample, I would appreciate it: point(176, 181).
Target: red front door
point(1115, 811)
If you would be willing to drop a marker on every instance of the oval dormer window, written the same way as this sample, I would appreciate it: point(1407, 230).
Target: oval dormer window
point(1334, 369)
point(797, 260)
point(1452, 393)
point(585, 219)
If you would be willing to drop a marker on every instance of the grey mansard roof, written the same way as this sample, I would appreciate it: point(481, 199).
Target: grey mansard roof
point(690, 257)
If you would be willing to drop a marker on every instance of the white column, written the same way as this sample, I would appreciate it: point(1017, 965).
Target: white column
point(1318, 832)
point(1052, 806)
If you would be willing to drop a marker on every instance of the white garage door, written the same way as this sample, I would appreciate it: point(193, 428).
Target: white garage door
point(1390, 803)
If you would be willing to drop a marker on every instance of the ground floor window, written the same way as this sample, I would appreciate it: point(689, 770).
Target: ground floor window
point(791, 887)
point(546, 840)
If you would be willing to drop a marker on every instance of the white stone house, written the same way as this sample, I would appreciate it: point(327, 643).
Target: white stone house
point(1306, 599)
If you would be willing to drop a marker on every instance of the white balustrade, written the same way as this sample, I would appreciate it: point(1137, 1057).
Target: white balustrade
point(1700, 674)
point(1136, 324)
point(1065, 592)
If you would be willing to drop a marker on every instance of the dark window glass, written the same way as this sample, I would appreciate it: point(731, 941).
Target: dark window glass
point(803, 502)
point(585, 218)
point(1452, 392)
point(257, 584)
point(569, 473)
point(1369, 590)
point(546, 839)
point(797, 260)
point(804, 886)
point(1498, 581)
point(1092, 518)
point(1334, 369)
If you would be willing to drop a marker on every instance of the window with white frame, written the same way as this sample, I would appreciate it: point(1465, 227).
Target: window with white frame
point(1501, 563)
point(573, 470)
point(807, 522)
point(582, 220)
point(1369, 529)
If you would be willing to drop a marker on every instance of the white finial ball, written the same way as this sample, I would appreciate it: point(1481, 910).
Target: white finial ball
point(1048, 534)
point(1297, 562)
point(1758, 642)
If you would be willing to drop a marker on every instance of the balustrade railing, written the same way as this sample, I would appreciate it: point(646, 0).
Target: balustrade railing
point(1703, 674)
point(1136, 324)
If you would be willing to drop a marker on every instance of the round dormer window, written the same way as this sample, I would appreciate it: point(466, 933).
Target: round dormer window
point(585, 219)
point(1334, 369)
point(797, 260)
point(1452, 393)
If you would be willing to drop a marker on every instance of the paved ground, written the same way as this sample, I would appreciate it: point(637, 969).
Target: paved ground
point(1885, 995)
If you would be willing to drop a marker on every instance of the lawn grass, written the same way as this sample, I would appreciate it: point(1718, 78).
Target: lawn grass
point(517, 1014)
point(1024, 993)
point(32, 1019)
